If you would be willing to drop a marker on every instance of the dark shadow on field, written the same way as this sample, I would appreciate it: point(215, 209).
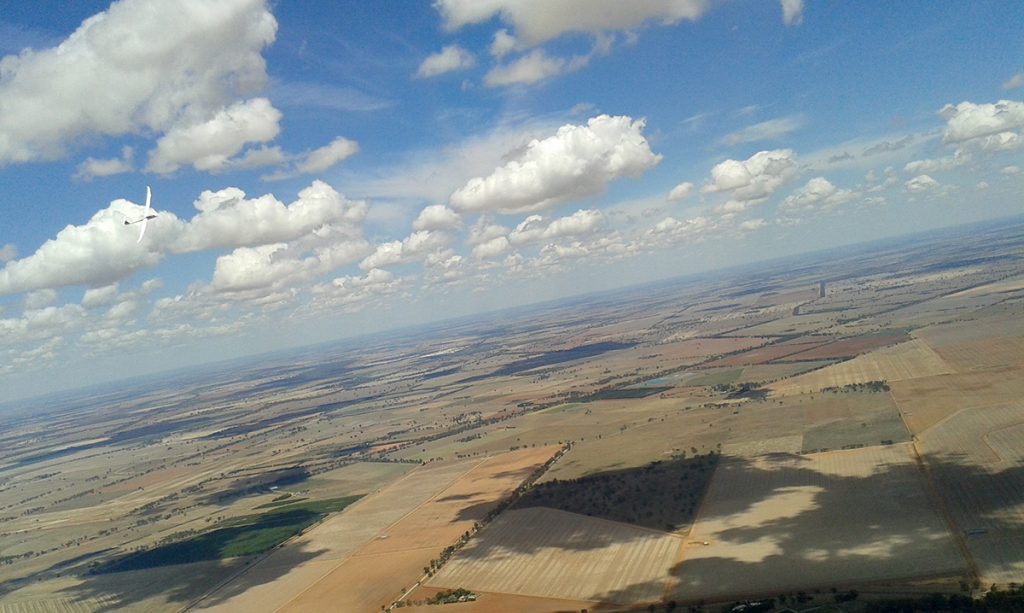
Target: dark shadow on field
point(663, 495)
point(182, 584)
point(809, 549)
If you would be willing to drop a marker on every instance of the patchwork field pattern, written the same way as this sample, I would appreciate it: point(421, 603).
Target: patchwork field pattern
point(909, 360)
point(977, 461)
point(795, 522)
point(546, 552)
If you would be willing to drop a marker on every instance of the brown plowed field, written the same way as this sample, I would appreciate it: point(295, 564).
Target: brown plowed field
point(847, 348)
point(909, 360)
point(772, 352)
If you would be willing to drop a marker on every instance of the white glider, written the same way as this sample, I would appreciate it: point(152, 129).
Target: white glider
point(146, 216)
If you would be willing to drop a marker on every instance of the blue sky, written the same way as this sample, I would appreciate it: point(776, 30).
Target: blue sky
point(325, 169)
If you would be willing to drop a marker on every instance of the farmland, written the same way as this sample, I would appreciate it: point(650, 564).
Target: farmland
point(736, 425)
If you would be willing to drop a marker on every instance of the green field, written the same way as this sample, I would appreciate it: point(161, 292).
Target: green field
point(242, 536)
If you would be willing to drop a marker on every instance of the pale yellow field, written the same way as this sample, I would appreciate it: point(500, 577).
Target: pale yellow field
point(927, 401)
point(975, 458)
point(786, 522)
point(545, 552)
point(288, 571)
point(908, 360)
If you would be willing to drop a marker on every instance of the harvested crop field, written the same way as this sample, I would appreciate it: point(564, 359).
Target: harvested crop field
point(786, 522)
point(772, 352)
point(975, 458)
point(379, 571)
point(491, 602)
point(908, 360)
point(927, 401)
point(848, 347)
point(555, 554)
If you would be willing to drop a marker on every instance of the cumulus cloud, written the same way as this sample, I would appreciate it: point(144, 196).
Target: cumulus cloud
point(792, 12)
point(537, 21)
point(8, 252)
point(1014, 82)
point(260, 267)
point(99, 252)
point(354, 292)
point(578, 161)
point(921, 183)
point(92, 167)
point(766, 130)
point(752, 225)
point(437, 217)
point(209, 145)
point(413, 248)
point(485, 230)
point(671, 229)
point(227, 219)
point(681, 191)
point(319, 160)
point(967, 120)
point(528, 69)
point(503, 43)
point(917, 167)
point(491, 248)
point(449, 59)
point(99, 296)
point(310, 162)
point(753, 180)
point(818, 193)
point(171, 64)
point(320, 222)
point(40, 298)
point(535, 229)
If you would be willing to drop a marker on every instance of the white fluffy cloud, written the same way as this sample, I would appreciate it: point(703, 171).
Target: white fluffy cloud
point(260, 267)
point(319, 160)
point(320, 222)
point(491, 248)
point(751, 181)
point(449, 59)
point(415, 247)
point(578, 161)
point(917, 167)
point(92, 167)
point(921, 183)
point(530, 68)
point(967, 120)
point(171, 64)
point(503, 43)
point(681, 191)
point(437, 217)
point(208, 145)
point(99, 252)
point(818, 193)
point(537, 21)
point(99, 296)
point(353, 292)
point(535, 229)
point(227, 219)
